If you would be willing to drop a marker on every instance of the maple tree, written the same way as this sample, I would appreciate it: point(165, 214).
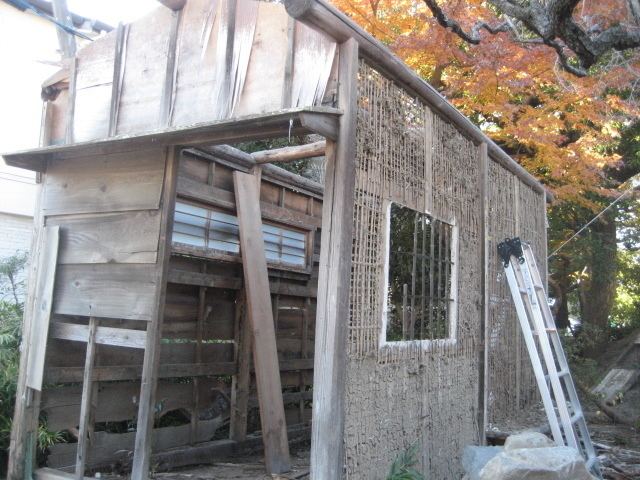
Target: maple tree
point(566, 130)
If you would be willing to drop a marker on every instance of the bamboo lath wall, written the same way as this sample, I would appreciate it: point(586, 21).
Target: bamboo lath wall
point(212, 60)
point(421, 391)
point(516, 211)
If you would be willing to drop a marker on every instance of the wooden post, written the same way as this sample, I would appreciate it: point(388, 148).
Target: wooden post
point(66, 39)
point(483, 353)
point(241, 380)
point(85, 405)
point(265, 350)
point(334, 281)
point(146, 409)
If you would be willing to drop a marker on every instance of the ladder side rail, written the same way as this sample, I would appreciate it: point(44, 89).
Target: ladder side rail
point(533, 350)
point(555, 337)
point(588, 450)
point(545, 346)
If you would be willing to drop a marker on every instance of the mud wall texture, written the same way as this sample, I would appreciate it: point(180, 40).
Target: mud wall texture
point(427, 391)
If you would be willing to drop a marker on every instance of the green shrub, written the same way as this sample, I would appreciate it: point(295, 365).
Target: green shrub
point(402, 467)
point(10, 337)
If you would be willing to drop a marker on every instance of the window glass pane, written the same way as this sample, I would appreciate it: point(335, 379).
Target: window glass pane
point(217, 230)
point(188, 239)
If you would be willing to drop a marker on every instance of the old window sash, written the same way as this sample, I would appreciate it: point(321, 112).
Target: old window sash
point(213, 229)
point(419, 277)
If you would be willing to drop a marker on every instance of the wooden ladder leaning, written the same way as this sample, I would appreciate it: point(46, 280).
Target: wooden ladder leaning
point(566, 418)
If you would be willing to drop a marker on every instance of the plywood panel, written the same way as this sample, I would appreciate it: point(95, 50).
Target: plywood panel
point(106, 290)
point(105, 183)
point(130, 237)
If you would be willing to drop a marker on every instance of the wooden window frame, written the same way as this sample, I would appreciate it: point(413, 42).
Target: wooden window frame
point(452, 313)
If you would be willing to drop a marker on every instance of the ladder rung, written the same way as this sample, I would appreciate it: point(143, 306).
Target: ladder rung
point(576, 418)
point(551, 329)
point(561, 373)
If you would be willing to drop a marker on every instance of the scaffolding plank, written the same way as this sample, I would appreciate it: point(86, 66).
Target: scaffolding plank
point(260, 315)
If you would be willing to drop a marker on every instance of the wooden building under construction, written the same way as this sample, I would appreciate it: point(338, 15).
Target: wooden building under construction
point(175, 276)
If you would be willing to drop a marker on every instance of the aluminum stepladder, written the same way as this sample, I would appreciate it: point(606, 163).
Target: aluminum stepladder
point(566, 419)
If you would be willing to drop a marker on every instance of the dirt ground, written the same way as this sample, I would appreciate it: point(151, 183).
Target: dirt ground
point(617, 445)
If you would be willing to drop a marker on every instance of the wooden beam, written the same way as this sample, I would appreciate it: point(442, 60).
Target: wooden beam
point(174, 5)
point(234, 130)
point(42, 307)
point(290, 154)
point(119, 337)
point(327, 451)
point(265, 351)
point(327, 19)
point(146, 411)
point(321, 124)
point(134, 372)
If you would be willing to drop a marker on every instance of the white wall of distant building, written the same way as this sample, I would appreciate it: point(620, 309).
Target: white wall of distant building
point(29, 55)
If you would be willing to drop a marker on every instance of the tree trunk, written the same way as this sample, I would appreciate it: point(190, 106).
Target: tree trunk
point(598, 295)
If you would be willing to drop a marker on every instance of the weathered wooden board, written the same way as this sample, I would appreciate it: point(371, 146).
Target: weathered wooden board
point(42, 307)
point(271, 211)
point(108, 449)
point(119, 337)
point(91, 115)
point(106, 290)
point(119, 401)
point(134, 372)
point(196, 62)
point(261, 319)
point(617, 382)
point(313, 58)
point(146, 64)
point(60, 355)
point(130, 237)
point(94, 75)
point(265, 74)
point(105, 183)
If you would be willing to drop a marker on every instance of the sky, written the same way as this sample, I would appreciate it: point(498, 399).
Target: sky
point(112, 11)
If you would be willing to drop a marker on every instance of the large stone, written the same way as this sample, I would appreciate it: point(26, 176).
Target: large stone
point(528, 440)
point(474, 458)
point(552, 463)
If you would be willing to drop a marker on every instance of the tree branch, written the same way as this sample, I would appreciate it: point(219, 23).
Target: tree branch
point(553, 24)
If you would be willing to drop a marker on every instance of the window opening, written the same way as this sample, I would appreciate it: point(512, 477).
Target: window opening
point(203, 227)
point(421, 276)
